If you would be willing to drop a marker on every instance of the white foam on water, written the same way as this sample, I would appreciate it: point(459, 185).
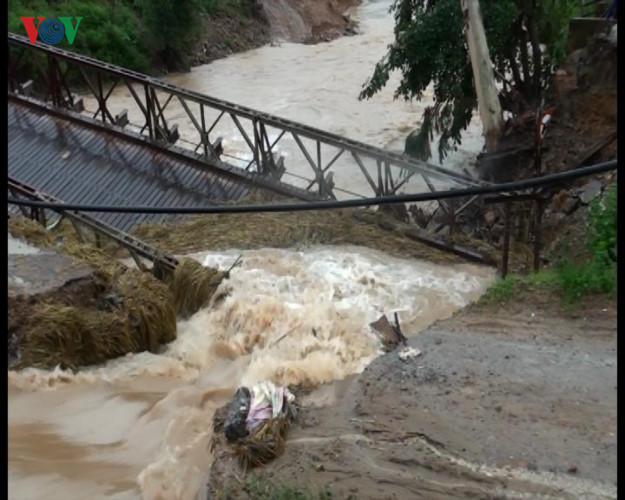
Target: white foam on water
point(143, 421)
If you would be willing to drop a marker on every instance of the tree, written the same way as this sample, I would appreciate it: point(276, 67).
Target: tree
point(430, 48)
point(171, 26)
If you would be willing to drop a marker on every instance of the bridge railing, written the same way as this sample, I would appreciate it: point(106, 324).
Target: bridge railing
point(218, 131)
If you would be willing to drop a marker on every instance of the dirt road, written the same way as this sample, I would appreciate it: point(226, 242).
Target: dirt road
point(509, 402)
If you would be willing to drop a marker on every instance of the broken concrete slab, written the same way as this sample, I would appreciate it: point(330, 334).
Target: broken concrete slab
point(40, 273)
point(390, 335)
point(590, 191)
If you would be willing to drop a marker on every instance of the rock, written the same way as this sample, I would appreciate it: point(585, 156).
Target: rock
point(590, 191)
point(569, 205)
point(572, 469)
point(409, 353)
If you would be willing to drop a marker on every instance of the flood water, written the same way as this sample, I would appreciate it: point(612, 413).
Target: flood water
point(139, 426)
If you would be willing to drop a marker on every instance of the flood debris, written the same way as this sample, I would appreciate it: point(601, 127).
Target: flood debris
point(256, 422)
point(133, 313)
point(194, 286)
point(409, 353)
point(391, 335)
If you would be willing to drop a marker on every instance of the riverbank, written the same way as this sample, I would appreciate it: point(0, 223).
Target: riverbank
point(503, 402)
point(229, 31)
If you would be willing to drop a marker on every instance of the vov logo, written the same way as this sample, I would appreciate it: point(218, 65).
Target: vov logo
point(51, 30)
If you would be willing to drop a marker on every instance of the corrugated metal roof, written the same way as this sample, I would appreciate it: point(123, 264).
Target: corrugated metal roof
point(80, 164)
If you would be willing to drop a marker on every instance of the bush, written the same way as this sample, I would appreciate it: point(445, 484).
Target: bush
point(109, 31)
point(135, 34)
point(596, 274)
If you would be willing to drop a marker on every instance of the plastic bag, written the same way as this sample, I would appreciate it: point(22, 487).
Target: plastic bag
point(234, 426)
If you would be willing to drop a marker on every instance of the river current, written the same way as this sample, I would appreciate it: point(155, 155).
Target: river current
point(139, 426)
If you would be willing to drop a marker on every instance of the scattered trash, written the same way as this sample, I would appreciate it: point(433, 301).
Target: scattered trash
point(409, 353)
point(65, 155)
point(256, 422)
point(391, 335)
point(235, 425)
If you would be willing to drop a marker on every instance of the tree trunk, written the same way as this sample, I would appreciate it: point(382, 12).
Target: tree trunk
point(487, 94)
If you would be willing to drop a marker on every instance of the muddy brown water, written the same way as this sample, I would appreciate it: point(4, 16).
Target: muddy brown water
point(139, 426)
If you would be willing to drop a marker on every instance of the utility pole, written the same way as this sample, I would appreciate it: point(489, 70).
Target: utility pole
point(484, 78)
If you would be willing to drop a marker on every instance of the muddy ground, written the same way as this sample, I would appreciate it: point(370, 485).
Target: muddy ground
point(504, 402)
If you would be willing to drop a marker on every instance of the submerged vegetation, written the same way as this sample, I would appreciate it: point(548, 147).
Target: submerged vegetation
point(135, 34)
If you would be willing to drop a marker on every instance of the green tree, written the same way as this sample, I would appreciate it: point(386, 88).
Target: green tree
point(430, 48)
point(172, 26)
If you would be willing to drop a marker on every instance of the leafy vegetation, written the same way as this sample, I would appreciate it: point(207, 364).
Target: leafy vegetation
point(595, 274)
point(136, 34)
point(430, 49)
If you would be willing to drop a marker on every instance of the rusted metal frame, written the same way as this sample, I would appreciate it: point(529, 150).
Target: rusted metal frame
point(247, 167)
point(433, 190)
point(260, 140)
point(203, 135)
point(364, 171)
point(538, 207)
point(200, 128)
point(149, 112)
point(210, 129)
point(97, 226)
point(387, 176)
point(258, 149)
point(134, 94)
point(214, 123)
point(325, 169)
point(459, 211)
point(102, 101)
point(57, 99)
point(22, 208)
point(265, 142)
point(318, 172)
point(406, 179)
point(97, 95)
point(251, 145)
point(108, 94)
point(309, 132)
point(63, 79)
point(506, 240)
point(381, 186)
point(142, 267)
point(164, 130)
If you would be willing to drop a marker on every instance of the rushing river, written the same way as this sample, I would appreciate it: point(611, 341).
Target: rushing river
point(139, 426)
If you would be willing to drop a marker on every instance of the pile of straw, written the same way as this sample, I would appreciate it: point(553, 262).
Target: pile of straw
point(137, 314)
point(264, 444)
point(193, 286)
point(72, 337)
point(149, 307)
